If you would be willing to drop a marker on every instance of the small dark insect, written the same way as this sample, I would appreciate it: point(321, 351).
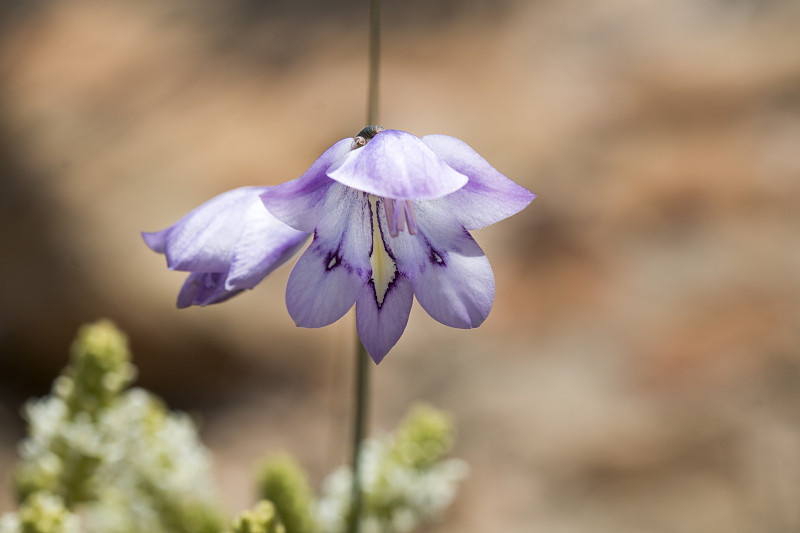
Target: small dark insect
point(366, 134)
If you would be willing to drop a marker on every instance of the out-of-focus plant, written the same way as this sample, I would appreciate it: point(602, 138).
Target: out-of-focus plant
point(263, 518)
point(104, 458)
point(406, 478)
point(40, 513)
point(283, 482)
point(115, 454)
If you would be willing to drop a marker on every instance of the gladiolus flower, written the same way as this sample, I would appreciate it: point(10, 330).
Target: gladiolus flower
point(390, 214)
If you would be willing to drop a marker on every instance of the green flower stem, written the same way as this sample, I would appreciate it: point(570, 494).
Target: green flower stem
point(363, 363)
point(362, 357)
point(374, 60)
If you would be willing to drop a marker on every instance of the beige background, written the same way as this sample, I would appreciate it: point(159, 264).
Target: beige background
point(640, 369)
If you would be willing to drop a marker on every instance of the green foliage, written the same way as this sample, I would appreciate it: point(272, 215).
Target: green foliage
point(283, 482)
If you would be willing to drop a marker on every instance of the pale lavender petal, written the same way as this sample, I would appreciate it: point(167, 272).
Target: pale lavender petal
point(396, 164)
point(488, 197)
point(380, 326)
point(300, 203)
point(449, 272)
point(230, 243)
point(157, 240)
point(328, 277)
point(264, 244)
point(205, 238)
point(204, 288)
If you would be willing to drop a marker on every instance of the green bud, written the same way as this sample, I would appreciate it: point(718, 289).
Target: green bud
point(424, 437)
point(262, 519)
point(283, 482)
point(99, 368)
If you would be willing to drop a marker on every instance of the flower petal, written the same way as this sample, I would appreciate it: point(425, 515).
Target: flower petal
point(449, 272)
point(396, 164)
point(329, 276)
point(380, 326)
point(204, 288)
point(300, 203)
point(205, 238)
point(488, 197)
point(157, 240)
point(229, 243)
point(265, 243)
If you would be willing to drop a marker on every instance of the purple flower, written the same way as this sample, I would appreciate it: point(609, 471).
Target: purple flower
point(390, 215)
point(229, 244)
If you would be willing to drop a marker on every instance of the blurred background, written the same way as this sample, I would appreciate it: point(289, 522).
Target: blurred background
point(640, 370)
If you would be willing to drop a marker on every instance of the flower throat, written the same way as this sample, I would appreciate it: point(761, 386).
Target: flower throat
point(399, 213)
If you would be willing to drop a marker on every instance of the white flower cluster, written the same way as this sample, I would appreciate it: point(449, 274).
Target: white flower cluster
point(116, 457)
point(145, 461)
point(101, 458)
point(43, 513)
point(151, 464)
point(398, 497)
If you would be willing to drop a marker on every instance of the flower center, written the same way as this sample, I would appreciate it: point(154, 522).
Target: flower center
point(398, 212)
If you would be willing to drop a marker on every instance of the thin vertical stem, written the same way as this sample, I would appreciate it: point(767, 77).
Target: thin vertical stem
point(359, 430)
point(374, 60)
point(363, 361)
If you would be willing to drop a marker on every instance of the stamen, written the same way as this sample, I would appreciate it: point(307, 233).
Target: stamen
point(398, 214)
point(411, 217)
point(398, 220)
point(388, 208)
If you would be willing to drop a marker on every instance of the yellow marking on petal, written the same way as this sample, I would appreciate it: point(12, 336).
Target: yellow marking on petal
point(384, 269)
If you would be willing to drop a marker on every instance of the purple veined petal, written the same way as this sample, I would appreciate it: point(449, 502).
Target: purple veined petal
point(488, 197)
point(328, 277)
point(204, 240)
point(301, 203)
point(380, 326)
point(204, 288)
point(396, 164)
point(450, 274)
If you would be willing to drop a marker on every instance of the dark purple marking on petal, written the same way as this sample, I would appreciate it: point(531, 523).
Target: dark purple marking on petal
point(437, 258)
point(327, 279)
point(381, 326)
point(332, 260)
point(450, 275)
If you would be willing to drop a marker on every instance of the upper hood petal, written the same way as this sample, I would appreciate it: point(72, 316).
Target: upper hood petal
point(396, 164)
